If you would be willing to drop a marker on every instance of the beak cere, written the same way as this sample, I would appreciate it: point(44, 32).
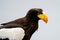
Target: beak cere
point(43, 17)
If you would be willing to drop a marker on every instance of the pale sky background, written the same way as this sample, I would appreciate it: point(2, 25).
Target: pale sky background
point(14, 9)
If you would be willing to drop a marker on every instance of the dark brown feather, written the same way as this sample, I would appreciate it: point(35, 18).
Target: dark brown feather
point(29, 23)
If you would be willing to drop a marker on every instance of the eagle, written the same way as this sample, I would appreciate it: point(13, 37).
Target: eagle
point(23, 28)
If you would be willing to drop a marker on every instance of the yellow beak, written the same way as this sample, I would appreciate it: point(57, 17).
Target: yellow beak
point(43, 17)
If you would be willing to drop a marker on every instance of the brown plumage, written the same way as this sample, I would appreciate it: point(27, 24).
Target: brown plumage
point(29, 23)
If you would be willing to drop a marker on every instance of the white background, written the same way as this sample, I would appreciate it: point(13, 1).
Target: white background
point(14, 9)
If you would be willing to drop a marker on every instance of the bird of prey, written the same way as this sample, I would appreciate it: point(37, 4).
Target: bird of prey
point(23, 28)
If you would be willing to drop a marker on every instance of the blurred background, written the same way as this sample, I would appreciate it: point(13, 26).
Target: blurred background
point(14, 9)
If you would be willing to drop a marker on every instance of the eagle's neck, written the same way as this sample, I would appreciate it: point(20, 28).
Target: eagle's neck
point(31, 27)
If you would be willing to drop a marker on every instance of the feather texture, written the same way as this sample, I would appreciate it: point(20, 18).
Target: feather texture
point(12, 33)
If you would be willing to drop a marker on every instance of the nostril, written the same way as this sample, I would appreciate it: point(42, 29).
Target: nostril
point(0, 38)
point(6, 39)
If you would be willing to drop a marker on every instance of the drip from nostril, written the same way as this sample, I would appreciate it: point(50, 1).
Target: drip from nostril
point(6, 39)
